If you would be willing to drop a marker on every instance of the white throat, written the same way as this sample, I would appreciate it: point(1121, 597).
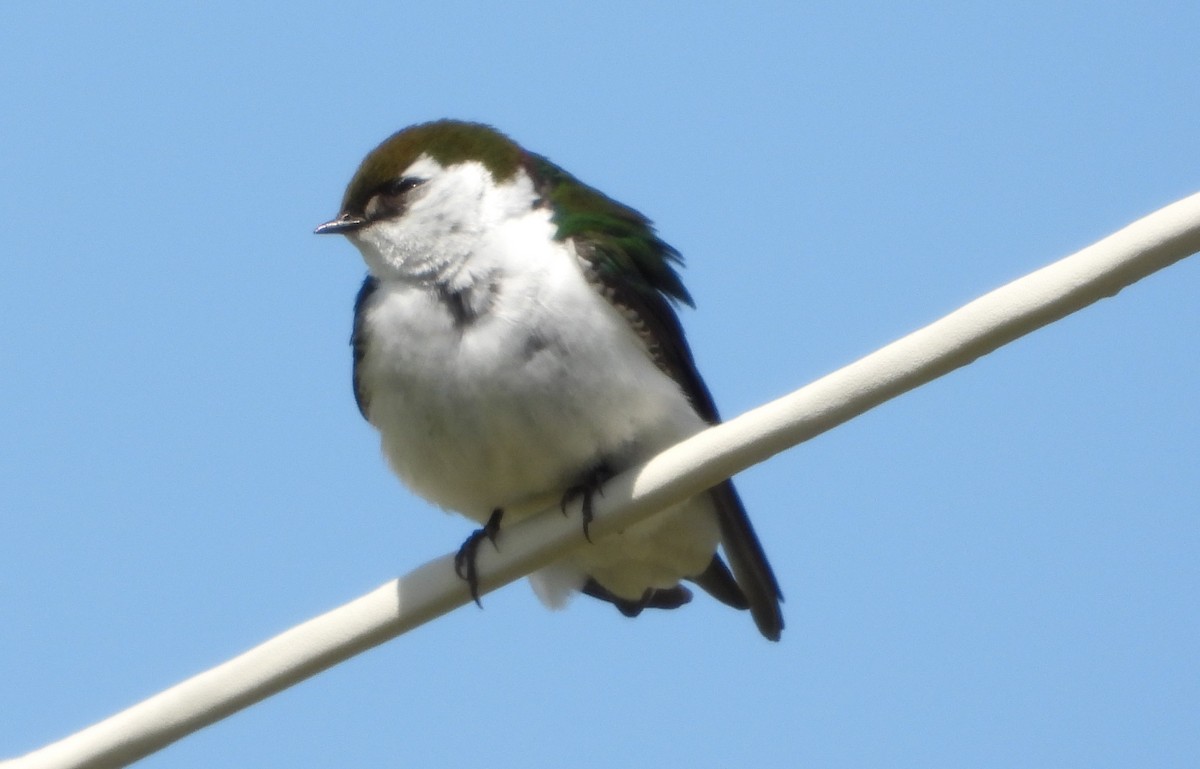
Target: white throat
point(440, 237)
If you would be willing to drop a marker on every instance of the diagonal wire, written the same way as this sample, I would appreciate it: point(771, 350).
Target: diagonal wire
point(987, 323)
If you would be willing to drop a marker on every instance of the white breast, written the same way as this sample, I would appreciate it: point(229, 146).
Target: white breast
point(513, 407)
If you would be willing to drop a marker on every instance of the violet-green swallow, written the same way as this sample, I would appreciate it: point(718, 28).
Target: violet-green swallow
point(515, 344)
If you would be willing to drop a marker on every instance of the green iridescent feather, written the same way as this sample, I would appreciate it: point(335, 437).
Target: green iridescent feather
point(618, 240)
point(446, 141)
point(621, 242)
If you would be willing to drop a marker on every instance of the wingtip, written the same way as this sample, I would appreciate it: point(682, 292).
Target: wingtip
point(769, 619)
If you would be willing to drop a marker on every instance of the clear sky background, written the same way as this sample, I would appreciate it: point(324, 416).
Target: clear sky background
point(1001, 569)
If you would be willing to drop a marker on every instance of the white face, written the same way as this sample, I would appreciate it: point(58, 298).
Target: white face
point(440, 218)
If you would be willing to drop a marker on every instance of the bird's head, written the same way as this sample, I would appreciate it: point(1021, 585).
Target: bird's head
point(422, 198)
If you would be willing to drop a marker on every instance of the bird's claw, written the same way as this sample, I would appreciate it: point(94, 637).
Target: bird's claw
point(464, 559)
point(589, 486)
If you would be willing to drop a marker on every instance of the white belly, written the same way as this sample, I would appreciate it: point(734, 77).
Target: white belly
point(509, 410)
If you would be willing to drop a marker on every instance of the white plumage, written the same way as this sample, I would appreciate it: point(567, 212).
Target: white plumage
point(534, 385)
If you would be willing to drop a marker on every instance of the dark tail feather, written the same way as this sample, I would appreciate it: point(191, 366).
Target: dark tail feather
point(749, 562)
point(720, 584)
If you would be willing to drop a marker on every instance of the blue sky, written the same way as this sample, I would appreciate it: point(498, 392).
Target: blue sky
point(999, 569)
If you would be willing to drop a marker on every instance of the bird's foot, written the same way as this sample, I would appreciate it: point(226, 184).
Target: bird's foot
point(464, 559)
point(588, 486)
point(653, 598)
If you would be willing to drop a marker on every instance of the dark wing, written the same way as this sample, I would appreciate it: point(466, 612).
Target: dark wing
point(358, 340)
point(631, 267)
point(656, 322)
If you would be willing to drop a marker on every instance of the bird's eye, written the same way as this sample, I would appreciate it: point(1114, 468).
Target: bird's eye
point(389, 200)
point(403, 185)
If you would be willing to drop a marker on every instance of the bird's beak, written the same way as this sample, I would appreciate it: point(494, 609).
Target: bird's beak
point(341, 225)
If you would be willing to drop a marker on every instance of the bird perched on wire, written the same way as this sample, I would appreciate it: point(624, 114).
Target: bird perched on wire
point(515, 344)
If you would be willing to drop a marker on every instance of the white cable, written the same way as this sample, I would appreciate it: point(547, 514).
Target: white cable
point(976, 329)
